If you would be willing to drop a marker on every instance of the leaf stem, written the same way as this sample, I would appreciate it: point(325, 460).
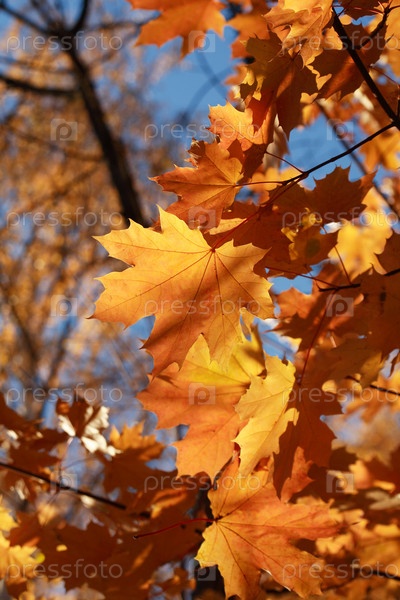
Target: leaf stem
point(173, 526)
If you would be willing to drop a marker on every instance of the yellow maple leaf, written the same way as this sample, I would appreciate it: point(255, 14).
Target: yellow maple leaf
point(265, 407)
point(203, 396)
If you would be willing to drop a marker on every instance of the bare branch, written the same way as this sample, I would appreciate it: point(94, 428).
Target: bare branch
point(23, 18)
point(80, 22)
point(31, 87)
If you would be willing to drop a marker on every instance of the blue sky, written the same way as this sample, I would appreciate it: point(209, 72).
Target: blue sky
point(187, 89)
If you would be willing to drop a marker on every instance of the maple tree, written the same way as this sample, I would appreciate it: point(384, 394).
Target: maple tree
point(286, 477)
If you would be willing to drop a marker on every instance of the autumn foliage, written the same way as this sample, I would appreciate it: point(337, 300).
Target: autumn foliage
point(287, 468)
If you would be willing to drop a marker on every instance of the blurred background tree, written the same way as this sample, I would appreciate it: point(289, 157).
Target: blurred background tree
point(74, 164)
point(78, 144)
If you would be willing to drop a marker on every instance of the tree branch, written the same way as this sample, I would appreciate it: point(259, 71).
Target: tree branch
point(113, 150)
point(354, 156)
point(80, 22)
point(30, 87)
point(96, 158)
point(59, 486)
point(350, 150)
point(340, 30)
point(22, 18)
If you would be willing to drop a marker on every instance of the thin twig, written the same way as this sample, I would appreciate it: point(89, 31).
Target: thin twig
point(60, 487)
point(341, 31)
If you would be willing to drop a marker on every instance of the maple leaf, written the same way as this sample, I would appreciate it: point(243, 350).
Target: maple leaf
point(335, 198)
point(300, 28)
point(203, 396)
point(305, 432)
point(389, 258)
point(191, 287)
point(17, 563)
point(310, 246)
point(14, 422)
point(338, 72)
point(381, 302)
point(278, 79)
point(37, 462)
point(355, 9)
point(265, 407)
point(127, 469)
point(382, 151)
point(133, 438)
point(254, 531)
point(253, 128)
point(252, 20)
point(83, 420)
point(76, 554)
point(358, 247)
point(190, 19)
point(205, 190)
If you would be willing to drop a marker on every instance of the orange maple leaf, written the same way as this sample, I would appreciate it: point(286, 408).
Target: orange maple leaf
point(338, 72)
point(300, 26)
point(277, 78)
point(191, 287)
point(190, 19)
point(205, 190)
point(254, 531)
point(253, 128)
point(252, 20)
